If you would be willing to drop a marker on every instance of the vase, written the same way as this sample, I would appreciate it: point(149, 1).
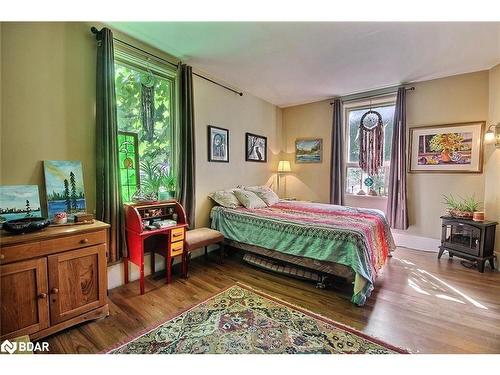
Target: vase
point(445, 156)
point(478, 216)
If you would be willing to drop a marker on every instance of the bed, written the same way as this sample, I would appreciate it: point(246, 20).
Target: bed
point(327, 235)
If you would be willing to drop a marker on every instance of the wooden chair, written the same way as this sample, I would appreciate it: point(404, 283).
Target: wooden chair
point(202, 237)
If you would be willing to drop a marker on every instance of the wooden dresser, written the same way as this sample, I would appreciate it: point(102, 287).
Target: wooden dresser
point(52, 279)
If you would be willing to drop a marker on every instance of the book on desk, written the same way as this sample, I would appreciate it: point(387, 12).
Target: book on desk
point(159, 228)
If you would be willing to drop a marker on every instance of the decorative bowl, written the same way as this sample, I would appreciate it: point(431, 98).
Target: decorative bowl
point(461, 214)
point(26, 225)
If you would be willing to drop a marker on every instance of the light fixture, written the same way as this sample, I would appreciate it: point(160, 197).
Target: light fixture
point(283, 169)
point(284, 166)
point(492, 136)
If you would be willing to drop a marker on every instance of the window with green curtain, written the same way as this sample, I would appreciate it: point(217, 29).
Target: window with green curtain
point(145, 101)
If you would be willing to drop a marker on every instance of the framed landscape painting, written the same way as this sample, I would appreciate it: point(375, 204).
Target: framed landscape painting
point(255, 148)
point(308, 150)
point(19, 202)
point(64, 185)
point(218, 144)
point(450, 148)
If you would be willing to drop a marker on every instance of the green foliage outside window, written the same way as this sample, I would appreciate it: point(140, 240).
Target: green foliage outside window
point(144, 103)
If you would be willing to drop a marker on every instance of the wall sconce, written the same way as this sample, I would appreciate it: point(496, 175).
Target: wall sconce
point(492, 136)
point(283, 169)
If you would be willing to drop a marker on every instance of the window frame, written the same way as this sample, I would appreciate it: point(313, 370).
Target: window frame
point(144, 62)
point(354, 105)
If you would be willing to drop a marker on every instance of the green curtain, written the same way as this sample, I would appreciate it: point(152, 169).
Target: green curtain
point(186, 144)
point(109, 207)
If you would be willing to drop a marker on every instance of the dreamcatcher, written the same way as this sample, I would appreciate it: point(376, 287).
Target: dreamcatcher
point(371, 142)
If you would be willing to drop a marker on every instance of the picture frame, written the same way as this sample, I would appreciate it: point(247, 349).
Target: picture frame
point(447, 148)
point(255, 148)
point(308, 150)
point(217, 144)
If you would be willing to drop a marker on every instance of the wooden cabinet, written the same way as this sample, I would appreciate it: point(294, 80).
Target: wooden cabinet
point(77, 282)
point(24, 299)
point(52, 279)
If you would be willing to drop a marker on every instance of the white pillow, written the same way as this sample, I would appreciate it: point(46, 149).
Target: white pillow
point(265, 193)
point(249, 199)
point(225, 198)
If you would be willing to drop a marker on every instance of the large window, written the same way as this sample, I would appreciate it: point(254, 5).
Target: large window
point(145, 104)
point(358, 181)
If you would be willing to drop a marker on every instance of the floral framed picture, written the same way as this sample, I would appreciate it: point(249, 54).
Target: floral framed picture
point(449, 148)
point(218, 144)
point(256, 148)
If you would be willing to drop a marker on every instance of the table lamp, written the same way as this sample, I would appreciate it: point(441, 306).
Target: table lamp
point(283, 169)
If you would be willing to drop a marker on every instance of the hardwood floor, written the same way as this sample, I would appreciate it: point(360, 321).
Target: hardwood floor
point(420, 303)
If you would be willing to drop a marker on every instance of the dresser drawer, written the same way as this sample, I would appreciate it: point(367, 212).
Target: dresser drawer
point(176, 248)
point(74, 242)
point(14, 253)
point(177, 234)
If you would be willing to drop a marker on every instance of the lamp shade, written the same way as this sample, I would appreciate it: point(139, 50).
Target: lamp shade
point(489, 137)
point(284, 166)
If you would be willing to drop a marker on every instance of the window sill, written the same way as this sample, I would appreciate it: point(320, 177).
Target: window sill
point(380, 197)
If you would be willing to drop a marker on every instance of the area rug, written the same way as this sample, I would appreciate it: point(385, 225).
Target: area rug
point(242, 320)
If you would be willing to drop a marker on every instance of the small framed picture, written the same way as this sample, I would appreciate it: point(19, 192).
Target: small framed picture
point(449, 148)
point(309, 150)
point(256, 148)
point(218, 144)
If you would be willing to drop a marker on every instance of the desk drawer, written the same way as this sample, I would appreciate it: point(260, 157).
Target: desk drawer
point(176, 234)
point(176, 248)
point(74, 242)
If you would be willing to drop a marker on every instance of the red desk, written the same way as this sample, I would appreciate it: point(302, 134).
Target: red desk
point(169, 242)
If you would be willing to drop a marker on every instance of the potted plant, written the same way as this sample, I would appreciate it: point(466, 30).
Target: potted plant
point(446, 144)
point(461, 208)
point(170, 184)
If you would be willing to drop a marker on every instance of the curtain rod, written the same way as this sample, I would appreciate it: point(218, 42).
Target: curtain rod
point(95, 31)
point(373, 96)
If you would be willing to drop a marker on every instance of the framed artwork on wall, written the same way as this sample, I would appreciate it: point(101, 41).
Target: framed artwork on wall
point(255, 148)
point(449, 148)
point(218, 144)
point(308, 150)
point(64, 185)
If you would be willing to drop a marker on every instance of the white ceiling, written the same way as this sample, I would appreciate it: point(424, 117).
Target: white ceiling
point(289, 63)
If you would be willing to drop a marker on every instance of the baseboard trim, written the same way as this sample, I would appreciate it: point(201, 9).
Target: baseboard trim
point(416, 242)
point(116, 276)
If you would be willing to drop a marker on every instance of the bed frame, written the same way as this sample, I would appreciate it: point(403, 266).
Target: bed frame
point(322, 272)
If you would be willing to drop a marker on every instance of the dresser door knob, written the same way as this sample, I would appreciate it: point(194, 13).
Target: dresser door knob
point(42, 295)
point(54, 291)
point(2, 256)
point(85, 240)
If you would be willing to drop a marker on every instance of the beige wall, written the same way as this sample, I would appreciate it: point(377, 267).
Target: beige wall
point(48, 91)
point(458, 98)
point(48, 99)
point(219, 107)
point(492, 156)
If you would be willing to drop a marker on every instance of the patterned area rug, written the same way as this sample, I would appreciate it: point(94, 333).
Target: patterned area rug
point(241, 320)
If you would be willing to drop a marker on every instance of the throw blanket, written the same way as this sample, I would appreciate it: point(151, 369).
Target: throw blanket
point(355, 237)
